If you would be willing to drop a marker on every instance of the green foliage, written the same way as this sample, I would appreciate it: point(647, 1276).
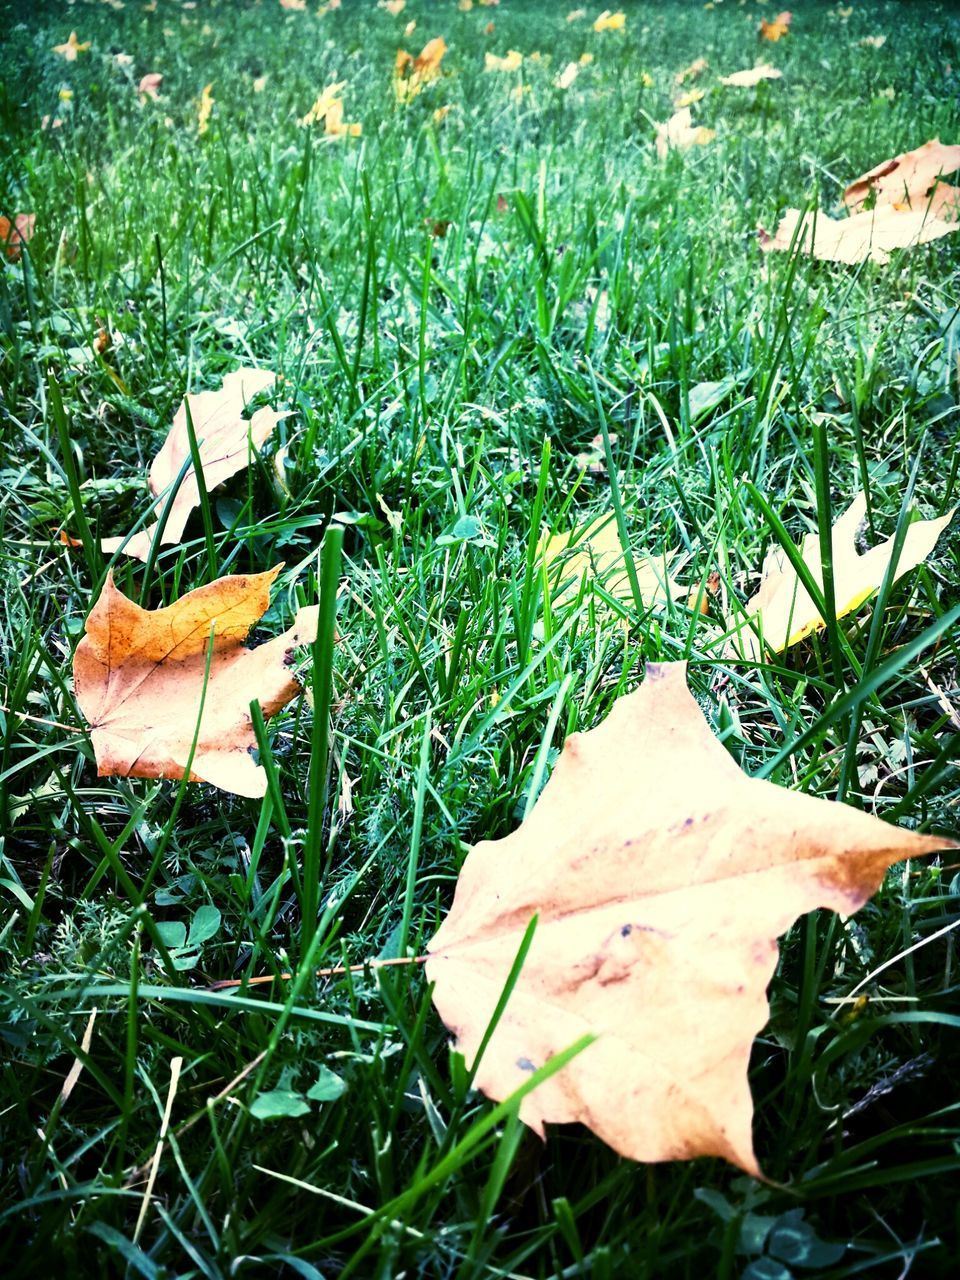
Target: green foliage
point(320, 1126)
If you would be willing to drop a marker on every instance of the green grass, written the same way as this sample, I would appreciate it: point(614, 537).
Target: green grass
point(443, 389)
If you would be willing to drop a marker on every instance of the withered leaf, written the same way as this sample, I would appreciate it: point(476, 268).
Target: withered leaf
point(661, 876)
point(873, 233)
point(680, 133)
point(139, 680)
point(911, 181)
point(225, 439)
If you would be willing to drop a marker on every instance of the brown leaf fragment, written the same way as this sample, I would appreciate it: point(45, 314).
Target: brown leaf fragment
point(910, 181)
point(225, 439)
point(139, 680)
point(872, 234)
point(659, 905)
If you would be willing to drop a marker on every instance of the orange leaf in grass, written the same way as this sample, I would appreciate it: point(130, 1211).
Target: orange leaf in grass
point(225, 442)
point(776, 28)
point(659, 904)
point(139, 680)
point(14, 235)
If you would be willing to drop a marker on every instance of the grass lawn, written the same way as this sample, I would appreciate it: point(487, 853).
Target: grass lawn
point(494, 315)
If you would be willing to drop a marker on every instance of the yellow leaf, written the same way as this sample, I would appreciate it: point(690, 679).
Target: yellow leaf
point(325, 100)
point(783, 611)
point(661, 876)
point(204, 108)
point(511, 61)
point(608, 21)
point(689, 98)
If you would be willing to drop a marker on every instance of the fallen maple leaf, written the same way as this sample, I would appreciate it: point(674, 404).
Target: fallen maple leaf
point(71, 47)
point(872, 234)
point(224, 438)
point(747, 79)
point(14, 235)
point(782, 607)
point(659, 905)
point(680, 133)
point(910, 181)
point(595, 552)
point(139, 681)
point(776, 27)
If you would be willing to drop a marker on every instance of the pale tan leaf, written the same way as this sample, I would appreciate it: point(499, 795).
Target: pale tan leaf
point(679, 133)
point(225, 439)
point(784, 612)
point(872, 234)
point(747, 79)
point(661, 876)
point(139, 681)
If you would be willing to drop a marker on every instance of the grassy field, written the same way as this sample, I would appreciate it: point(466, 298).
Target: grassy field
point(459, 303)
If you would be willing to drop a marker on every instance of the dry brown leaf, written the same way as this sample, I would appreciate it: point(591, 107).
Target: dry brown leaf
point(139, 680)
point(680, 133)
point(659, 903)
point(225, 439)
point(782, 607)
point(872, 234)
point(910, 181)
point(747, 79)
